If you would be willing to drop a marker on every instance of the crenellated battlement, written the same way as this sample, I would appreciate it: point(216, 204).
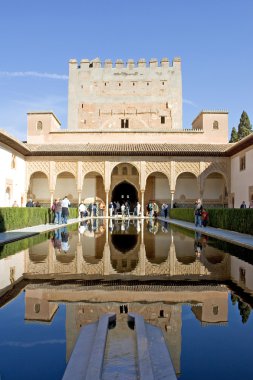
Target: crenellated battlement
point(129, 64)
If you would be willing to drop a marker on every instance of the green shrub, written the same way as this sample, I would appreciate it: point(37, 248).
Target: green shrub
point(233, 219)
point(12, 218)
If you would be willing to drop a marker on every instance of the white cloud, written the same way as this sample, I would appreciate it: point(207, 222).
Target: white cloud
point(190, 103)
point(32, 344)
point(32, 74)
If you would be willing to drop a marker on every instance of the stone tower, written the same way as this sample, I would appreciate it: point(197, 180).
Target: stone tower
point(133, 96)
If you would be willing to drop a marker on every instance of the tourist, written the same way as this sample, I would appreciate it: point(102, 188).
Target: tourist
point(65, 240)
point(127, 209)
point(165, 210)
point(102, 208)
point(243, 205)
point(150, 209)
point(251, 204)
point(198, 213)
point(197, 244)
point(53, 210)
point(117, 207)
point(94, 210)
point(65, 209)
point(123, 210)
point(155, 209)
point(138, 209)
point(29, 203)
point(58, 211)
point(82, 209)
point(57, 240)
point(15, 204)
point(205, 217)
point(110, 209)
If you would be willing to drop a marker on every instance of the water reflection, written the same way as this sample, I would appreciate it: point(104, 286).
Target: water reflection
point(167, 270)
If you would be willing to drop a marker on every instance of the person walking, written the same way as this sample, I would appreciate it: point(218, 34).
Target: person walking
point(65, 209)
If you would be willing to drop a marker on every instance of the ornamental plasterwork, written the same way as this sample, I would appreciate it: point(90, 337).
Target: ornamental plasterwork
point(94, 166)
point(88, 268)
point(194, 268)
point(187, 167)
point(37, 166)
point(65, 267)
point(157, 269)
point(70, 167)
point(216, 167)
point(162, 167)
point(137, 164)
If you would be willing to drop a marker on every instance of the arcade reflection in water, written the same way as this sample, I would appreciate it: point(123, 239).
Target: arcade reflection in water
point(167, 268)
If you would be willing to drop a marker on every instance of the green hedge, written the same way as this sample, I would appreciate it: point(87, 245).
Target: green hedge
point(233, 219)
point(20, 245)
point(12, 218)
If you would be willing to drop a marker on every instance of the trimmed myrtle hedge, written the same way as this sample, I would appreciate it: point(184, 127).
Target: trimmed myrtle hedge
point(12, 218)
point(234, 219)
point(20, 245)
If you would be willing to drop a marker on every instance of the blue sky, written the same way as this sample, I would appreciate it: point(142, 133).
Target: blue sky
point(37, 39)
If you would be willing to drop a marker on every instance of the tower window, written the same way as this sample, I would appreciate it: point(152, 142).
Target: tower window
point(39, 125)
point(124, 123)
point(162, 119)
point(242, 163)
point(215, 124)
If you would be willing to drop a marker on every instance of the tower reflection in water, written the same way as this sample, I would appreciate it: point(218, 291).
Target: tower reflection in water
point(140, 266)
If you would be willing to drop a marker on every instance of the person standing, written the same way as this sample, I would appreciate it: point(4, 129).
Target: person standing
point(65, 209)
point(110, 209)
point(82, 209)
point(205, 217)
point(243, 205)
point(29, 203)
point(198, 213)
point(58, 212)
point(138, 209)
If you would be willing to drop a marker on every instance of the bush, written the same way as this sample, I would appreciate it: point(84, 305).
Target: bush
point(12, 218)
point(233, 219)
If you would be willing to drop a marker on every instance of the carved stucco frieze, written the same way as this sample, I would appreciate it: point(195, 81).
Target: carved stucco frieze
point(187, 167)
point(37, 166)
point(93, 166)
point(161, 167)
point(66, 166)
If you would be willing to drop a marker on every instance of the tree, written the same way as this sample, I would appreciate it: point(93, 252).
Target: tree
point(244, 127)
point(234, 135)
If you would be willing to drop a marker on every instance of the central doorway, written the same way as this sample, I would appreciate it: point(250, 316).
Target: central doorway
point(125, 192)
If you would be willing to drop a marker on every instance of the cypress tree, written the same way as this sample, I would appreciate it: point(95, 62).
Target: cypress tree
point(244, 127)
point(234, 135)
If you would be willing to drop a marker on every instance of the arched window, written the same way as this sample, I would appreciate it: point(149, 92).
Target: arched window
point(134, 171)
point(115, 171)
point(39, 125)
point(13, 161)
point(215, 124)
point(124, 170)
point(37, 308)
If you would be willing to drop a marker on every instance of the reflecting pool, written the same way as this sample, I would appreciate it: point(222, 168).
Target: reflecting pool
point(198, 290)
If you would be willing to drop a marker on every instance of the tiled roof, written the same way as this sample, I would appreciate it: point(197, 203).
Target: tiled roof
point(129, 149)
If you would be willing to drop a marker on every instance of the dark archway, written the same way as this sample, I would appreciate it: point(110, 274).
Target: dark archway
point(123, 192)
point(124, 243)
